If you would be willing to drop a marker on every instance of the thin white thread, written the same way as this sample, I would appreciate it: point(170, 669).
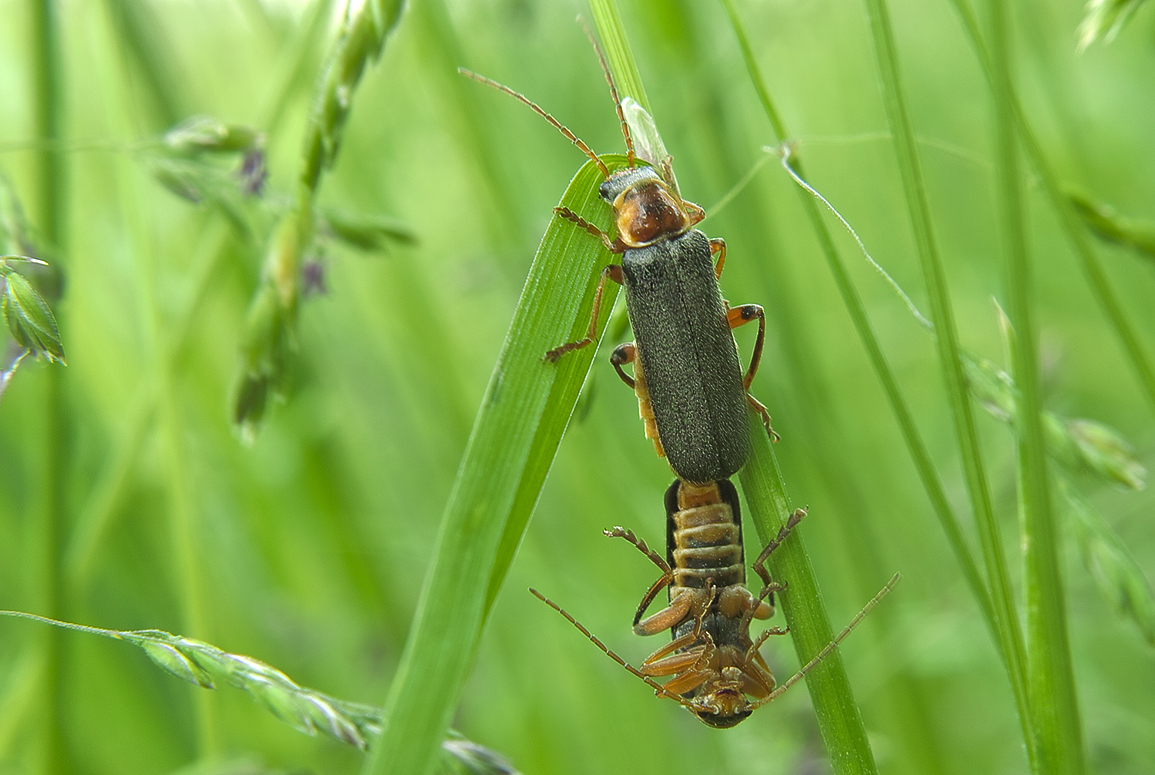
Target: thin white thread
point(784, 152)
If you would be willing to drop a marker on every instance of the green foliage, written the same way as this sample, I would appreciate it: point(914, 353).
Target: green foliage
point(127, 501)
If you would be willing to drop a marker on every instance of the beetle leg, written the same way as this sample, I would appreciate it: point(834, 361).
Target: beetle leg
point(760, 563)
point(761, 409)
point(614, 246)
point(665, 662)
point(688, 681)
point(764, 610)
point(718, 245)
point(670, 616)
point(757, 680)
point(613, 272)
point(762, 637)
point(696, 213)
point(737, 601)
point(628, 353)
point(623, 354)
point(664, 580)
point(690, 675)
point(759, 607)
point(628, 535)
point(676, 664)
point(740, 316)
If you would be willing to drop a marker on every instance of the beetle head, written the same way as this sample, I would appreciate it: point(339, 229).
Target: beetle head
point(646, 209)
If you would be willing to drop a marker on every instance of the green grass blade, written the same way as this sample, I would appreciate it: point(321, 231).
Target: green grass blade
point(618, 52)
point(946, 339)
point(1058, 739)
point(835, 709)
point(47, 70)
point(514, 439)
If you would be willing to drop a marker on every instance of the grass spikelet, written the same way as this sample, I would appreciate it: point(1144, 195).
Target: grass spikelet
point(1104, 19)
point(304, 709)
point(30, 321)
point(1078, 444)
point(1113, 567)
point(1112, 226)
point(272, 316)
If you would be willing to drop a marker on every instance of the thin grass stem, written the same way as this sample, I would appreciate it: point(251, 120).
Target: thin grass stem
point(908, 701)
point(1058, 739)
point(946, 338)
point(47, 70)
point(835, 709)
point(617, 47)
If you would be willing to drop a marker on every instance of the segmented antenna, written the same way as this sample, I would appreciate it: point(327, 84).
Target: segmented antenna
point(557, 124)
point(613, 90)
point(829, 646)
point(657, 687)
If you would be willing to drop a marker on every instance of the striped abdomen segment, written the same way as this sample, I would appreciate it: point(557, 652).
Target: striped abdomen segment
point(704, 535)
point(646, 408)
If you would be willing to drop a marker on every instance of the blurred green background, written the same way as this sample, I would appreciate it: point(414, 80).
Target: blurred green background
point(307, 548)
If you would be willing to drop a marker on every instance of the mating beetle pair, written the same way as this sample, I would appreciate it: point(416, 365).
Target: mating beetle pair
point(693, 396)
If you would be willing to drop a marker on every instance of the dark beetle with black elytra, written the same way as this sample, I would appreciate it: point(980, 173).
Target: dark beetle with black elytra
point(691, 390)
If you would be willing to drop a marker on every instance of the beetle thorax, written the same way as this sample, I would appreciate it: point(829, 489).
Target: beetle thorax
point(646, 211)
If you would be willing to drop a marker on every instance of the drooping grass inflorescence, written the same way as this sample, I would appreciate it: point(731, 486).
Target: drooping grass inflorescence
point(306, 710)
point(269, 336)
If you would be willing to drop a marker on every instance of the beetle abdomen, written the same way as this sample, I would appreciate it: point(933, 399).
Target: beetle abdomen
point(704, 535)
point(688, 354)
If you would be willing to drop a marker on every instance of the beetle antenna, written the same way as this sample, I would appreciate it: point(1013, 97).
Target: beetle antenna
point(657, 687)
point(829, 646)
point(537, 109)
point(613, 90)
